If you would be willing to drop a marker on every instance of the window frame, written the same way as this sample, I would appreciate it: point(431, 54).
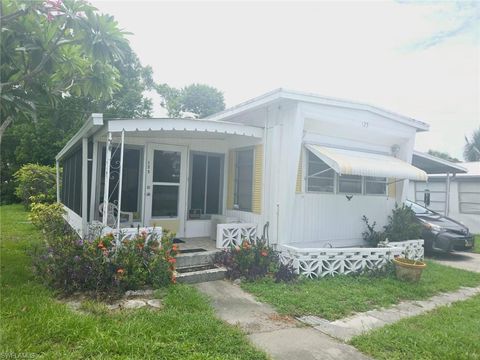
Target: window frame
point(336, 182)
point(307, 176)
point(365, 180)
point(236, 206)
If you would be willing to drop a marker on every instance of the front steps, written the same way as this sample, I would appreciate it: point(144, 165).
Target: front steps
point(198, 267)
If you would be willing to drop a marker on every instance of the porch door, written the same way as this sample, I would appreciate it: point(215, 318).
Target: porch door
point(165, 187)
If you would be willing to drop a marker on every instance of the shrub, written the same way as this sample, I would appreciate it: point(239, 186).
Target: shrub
point(36, 184)
point(251, 261)
point(402, 224)
point(285, 273)
point(48, 218)
point(371, 236)
point(99, 266)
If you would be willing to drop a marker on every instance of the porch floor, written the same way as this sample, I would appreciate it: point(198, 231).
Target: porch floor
point(197, 243)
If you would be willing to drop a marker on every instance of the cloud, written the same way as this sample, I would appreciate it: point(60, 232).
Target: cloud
point(452, 20)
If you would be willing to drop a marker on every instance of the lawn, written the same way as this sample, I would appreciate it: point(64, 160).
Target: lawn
point(449, 332)
point(336, 297)
point(476, 247)
point(34, 322)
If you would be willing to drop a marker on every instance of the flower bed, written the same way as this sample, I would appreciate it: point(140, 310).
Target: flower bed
point(105, 267)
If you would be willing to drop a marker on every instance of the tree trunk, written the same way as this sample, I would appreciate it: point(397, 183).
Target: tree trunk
point(4, 127)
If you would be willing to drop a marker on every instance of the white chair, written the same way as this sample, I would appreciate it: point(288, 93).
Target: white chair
point(113, 212)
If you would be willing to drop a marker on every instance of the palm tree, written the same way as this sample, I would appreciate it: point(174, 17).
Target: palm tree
point(471, 152)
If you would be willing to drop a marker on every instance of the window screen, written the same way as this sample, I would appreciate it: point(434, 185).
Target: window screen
point(350, 184)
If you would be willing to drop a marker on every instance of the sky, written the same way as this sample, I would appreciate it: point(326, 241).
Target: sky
point(419, 59)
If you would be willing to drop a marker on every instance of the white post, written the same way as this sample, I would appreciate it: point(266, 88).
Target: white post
point(108, 155)
point(447, 195)
point(84, 185)
point(57, 166)
point(120, 180)
point(93, 207)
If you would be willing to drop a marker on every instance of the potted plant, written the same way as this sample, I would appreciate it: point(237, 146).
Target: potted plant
point(407, 269)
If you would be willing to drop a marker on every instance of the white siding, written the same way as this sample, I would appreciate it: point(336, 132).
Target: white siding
point(332, 219)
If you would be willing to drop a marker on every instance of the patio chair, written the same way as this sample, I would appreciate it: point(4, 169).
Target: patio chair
point(113, 212)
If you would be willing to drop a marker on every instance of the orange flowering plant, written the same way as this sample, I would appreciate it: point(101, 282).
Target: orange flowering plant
point(251, 260)
point(106, 268)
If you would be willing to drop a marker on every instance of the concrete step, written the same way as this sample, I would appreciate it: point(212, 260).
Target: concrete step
point(193, 275)
point(196, 259)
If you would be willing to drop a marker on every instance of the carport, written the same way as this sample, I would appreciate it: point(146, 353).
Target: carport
point(434, 165)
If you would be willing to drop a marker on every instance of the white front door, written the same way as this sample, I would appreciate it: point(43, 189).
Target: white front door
point(165, 187)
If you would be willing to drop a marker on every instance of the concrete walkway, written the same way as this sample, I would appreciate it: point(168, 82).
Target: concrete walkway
point(282, 338)
point(460, 260)
point(345, 329)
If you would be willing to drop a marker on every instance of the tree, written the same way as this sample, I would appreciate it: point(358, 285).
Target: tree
point(58, 118)
point(471, 151)
point(198, 100)
point(443, 155)
point(55, 49)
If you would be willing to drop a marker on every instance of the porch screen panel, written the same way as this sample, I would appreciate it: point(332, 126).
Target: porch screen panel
point(213, 185)
point(199, 170)
point(244, 179)
point(206, 185)
point(132, 159)
point(71, 195)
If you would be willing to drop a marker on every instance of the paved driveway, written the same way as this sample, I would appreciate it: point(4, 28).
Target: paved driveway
point(461, 260)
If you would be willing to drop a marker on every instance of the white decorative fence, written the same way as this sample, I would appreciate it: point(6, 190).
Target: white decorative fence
point(321, 262)
point(235, 233)
point(129, 233)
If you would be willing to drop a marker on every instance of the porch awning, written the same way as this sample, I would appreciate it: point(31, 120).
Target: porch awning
point(349, 162)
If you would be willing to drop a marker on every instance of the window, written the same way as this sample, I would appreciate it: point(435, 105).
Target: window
point(244, 179)
point(206, 185)
point(320, 177)
point(375, 185)
point(350, 184)
point(469, 197)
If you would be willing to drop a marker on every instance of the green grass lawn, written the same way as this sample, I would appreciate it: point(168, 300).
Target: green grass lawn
point(33, 321)
point(449, 332)
point(336, 297)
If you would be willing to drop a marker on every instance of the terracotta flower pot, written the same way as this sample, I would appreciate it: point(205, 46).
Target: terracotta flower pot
point(408, 270)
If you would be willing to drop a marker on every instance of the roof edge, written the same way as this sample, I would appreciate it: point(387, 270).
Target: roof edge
point(282, 93)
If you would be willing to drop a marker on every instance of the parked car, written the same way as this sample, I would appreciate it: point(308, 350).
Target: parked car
point(441, 232)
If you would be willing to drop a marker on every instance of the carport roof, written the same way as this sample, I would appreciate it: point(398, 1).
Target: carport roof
point(434, 165)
